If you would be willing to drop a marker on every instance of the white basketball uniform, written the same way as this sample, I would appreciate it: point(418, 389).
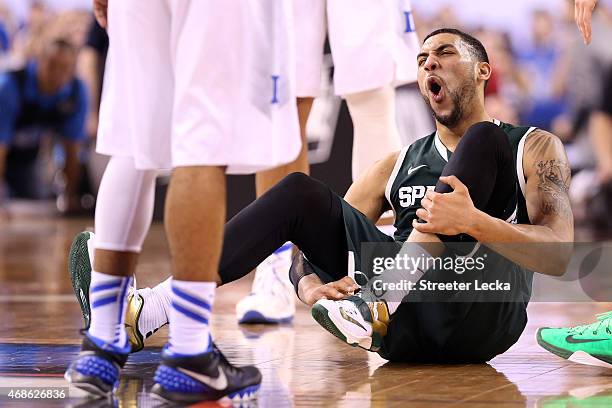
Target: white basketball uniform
point(200, 83)
point(373, 44)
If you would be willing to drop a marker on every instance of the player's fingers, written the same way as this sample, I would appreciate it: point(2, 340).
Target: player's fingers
point(100, 18)
point(422, 227)
point(430, 194)
point(426, 203)
point(588, 15)
point(422, 214)
point(350, 282)
point(454, 182)
point(576, 11)
point(100, 12)
point(343, 287)
point(578, 16)
point(331, 292)
point(583, 23)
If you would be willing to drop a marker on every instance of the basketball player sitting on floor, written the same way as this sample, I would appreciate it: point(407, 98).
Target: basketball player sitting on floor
point(463, 182)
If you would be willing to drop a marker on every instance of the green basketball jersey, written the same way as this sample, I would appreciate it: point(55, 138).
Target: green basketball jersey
point(420, 165)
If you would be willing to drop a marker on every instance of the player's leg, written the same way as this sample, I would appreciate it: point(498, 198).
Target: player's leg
point(266, 179)
point(375, 133)
point(299, 209)
point(373, 44)
point(271, 299)
point(492, 185)
point(228, 102)
point(123, 215)
point(125, 199)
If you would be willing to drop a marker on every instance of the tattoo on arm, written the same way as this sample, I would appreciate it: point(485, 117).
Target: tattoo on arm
point(553, 173)
point(553, 185)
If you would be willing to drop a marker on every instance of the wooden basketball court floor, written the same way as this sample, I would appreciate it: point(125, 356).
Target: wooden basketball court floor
point(302, 365)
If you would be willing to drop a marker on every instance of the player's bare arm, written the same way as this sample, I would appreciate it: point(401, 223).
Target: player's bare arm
point(547, 175)
point(367, 194)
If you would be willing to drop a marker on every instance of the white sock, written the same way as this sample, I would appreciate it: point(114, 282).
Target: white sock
point(108, 296)
point(156, 309)
point(190, 316)
point(375, 131)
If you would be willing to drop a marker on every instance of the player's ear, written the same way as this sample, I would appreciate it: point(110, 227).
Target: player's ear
point(483, 71)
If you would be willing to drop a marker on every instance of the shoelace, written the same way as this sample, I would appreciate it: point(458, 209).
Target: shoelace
point(603, 320)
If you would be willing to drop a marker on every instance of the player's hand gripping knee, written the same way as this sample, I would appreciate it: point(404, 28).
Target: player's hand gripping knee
point(446, 213)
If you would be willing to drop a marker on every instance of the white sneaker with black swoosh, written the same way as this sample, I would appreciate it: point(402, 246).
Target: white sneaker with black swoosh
point(353, 320)
point(204, 377)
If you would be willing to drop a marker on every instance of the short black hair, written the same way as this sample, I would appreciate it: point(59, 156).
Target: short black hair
point(477, 49)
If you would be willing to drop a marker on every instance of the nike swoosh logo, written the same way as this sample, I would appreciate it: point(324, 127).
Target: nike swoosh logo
point(413, 169)
point(219, 383)
point(350, 319)
point(571, 339)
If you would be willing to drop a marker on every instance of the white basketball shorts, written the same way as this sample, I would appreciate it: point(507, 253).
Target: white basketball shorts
point(200, 83)
point(373, 44)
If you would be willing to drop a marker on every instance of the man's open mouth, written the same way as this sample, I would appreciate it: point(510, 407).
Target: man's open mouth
point(435, 88)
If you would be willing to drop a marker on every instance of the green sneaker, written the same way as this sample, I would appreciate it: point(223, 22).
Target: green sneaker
point(589, 344)
point(79, 266)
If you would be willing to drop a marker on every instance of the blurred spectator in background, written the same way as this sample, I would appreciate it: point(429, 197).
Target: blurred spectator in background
point(42, 101)
point(29, 33)
point(508, 88)
point(597, 192)
point(91, 64)
point(92, 59)
point(539, 60)
point(581, 76)
point(601, 132)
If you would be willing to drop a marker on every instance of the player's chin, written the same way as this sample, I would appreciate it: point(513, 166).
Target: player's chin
point(442, 112)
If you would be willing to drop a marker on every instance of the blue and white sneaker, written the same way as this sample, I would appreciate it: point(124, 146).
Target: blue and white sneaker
point(204, 377)
point(272, 298)
point(97, 367)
